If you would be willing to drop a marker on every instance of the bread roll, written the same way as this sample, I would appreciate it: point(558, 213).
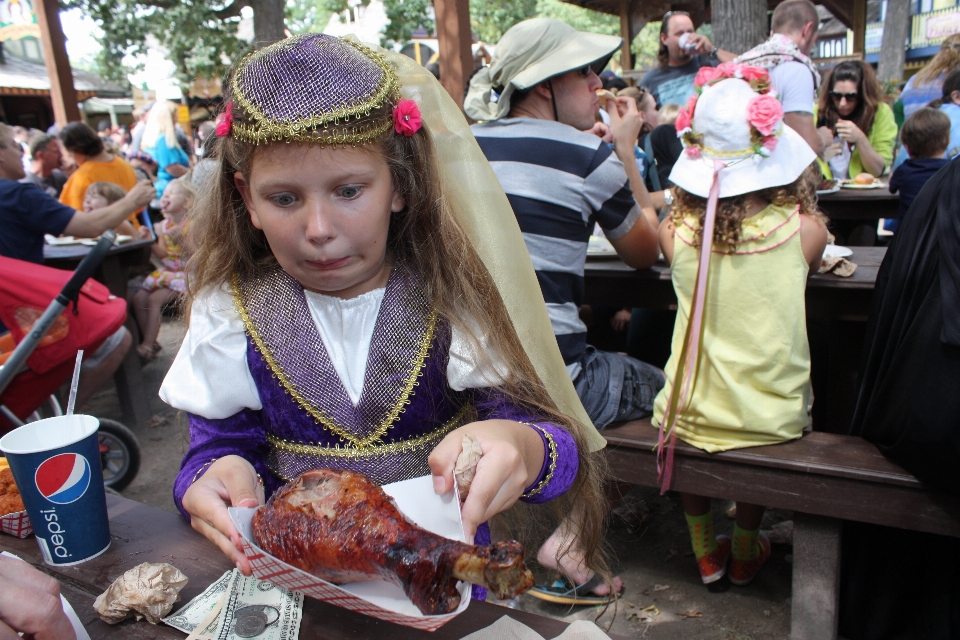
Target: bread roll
point(864, 178)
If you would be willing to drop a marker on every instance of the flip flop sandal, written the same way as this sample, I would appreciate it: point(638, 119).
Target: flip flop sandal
point(564, 592)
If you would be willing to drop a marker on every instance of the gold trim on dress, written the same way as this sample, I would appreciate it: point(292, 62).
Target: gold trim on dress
point(466, 414)
point(552, 453)
point(320, 417)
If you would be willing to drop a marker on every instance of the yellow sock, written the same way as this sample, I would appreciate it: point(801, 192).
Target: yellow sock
point(745, 545)
point(701, 534)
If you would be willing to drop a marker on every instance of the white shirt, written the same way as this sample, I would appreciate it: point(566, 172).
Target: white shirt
point(794, 84)
point(210, 377)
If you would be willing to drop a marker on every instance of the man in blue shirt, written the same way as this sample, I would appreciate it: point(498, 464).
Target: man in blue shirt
point(27, 213)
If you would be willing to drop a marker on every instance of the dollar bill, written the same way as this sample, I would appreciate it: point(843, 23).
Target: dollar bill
point(207, 629)
point(258, 609)
point(192, 614)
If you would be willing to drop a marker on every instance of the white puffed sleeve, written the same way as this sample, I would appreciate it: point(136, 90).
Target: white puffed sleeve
point(210, 376)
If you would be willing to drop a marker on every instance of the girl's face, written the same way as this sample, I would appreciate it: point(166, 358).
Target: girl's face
point(325, 213)
point(93, 201)
point(845, 97)
point(174, 201)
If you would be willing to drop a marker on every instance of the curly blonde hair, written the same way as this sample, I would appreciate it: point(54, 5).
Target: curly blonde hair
point(732, 211)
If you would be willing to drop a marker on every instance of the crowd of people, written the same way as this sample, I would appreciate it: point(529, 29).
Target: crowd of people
point(362, 272)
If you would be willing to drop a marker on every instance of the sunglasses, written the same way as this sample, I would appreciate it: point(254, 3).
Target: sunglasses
point(584, 72)
point(837, 96)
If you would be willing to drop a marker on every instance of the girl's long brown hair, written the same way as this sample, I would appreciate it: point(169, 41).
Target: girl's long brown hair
point(426, 236)
point(732, 211)
point(869, 91)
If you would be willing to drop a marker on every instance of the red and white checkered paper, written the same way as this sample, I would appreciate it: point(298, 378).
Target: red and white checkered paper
point(417, 501)
point(16, 524)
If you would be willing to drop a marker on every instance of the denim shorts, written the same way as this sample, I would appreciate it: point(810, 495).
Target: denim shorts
point(615, 387)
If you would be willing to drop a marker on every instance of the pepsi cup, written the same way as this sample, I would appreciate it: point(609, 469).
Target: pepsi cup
point(56, 465)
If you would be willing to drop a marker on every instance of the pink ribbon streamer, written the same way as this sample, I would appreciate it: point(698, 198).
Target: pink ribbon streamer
point(690, 355)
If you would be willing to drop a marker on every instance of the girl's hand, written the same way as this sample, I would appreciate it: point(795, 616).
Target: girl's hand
point(511, 461)
point(230, 481)
point(850, 132)
point(145, 233)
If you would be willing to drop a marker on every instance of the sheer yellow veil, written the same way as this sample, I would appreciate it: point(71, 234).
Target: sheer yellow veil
point(485, 214)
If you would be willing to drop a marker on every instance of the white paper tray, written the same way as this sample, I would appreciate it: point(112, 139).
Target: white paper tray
point(383, 600)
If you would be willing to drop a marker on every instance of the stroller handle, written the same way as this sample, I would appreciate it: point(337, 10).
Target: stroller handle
point(86, 268)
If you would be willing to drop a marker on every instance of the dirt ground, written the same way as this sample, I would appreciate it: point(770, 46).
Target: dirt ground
point(663, 597)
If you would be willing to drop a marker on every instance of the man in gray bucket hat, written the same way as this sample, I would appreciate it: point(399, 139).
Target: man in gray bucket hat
point(537, 104)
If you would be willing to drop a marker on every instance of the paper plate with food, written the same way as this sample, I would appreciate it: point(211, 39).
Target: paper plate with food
point(836, 251)
point(600, 247)
point(863, 181)
point(397, 552)
point(828, 186)
point(13, 515)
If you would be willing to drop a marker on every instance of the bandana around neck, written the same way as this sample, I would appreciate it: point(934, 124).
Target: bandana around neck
point(779, 48)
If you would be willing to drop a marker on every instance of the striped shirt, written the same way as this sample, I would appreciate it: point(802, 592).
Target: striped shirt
point(560, 181)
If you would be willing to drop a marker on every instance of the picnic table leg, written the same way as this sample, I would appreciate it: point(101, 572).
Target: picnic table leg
point(128, 378)
point(816, 578)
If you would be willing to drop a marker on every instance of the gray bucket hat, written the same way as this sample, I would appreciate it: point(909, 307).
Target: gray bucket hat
point(529, 53)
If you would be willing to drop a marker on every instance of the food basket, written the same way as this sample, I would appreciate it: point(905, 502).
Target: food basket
point(16, 524)
point(383, 600)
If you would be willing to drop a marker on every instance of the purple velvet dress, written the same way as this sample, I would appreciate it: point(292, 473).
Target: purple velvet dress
point(405, 409)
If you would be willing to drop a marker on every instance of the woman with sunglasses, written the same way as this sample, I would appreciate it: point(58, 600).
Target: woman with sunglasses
point(864, 130)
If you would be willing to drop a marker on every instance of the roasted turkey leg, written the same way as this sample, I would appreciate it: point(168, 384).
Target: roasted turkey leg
point(341, 527)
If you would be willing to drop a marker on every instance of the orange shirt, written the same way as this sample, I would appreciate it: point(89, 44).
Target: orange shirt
point(116, 171)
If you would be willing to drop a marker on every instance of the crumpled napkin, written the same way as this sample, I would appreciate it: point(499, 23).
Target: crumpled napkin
point(466, 467)
point(506, 628)
point(146, 591)
point(838, 266)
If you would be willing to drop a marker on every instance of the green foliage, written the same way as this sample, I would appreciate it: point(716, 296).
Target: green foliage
point(199, 40)
point(489, 19)
point(305, 16)
point(645, 46)
point(405, 17)
point(579, 18)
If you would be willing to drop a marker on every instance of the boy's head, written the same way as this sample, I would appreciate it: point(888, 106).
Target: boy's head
point(926, 134)
point(101, 194)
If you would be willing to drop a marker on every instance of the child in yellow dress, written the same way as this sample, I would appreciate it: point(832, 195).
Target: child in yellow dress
point(743, 237)
point(169, 282)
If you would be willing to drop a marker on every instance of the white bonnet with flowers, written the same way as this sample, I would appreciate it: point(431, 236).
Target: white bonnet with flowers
point(736, 119)
point(735, 142)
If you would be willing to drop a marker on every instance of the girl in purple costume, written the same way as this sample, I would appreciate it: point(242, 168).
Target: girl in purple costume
point(348, 312)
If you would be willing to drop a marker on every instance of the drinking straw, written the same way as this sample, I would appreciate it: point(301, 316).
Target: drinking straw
point(73, 383)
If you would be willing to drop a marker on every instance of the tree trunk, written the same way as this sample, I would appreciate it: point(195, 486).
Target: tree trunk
point(739, 25)
point(893, 52)
point(268, 24)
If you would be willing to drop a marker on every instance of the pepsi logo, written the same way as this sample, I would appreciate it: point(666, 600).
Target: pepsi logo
point(63, 478)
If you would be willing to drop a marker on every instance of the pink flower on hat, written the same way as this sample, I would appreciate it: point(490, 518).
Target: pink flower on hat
point(684, 120)
point(770, 143)
point(706, 75)
point(755, 74)
point(693, 152)
point(225, 121)
point(729, 69)
point(764, 112)
point(691, 105)
point(406, 117)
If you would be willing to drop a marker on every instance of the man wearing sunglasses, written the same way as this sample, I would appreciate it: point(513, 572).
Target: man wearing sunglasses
point(786, 55)
point(538, 105)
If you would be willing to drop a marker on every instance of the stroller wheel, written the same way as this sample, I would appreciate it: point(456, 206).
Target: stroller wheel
point(119, 454)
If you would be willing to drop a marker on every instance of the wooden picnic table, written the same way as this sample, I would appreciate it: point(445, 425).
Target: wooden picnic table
point(837, 310)
point(862, 205)
point(114, 272)
point(610, 282)
point(141, 533)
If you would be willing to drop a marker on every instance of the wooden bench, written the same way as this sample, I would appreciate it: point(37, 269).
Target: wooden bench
point(823, 477)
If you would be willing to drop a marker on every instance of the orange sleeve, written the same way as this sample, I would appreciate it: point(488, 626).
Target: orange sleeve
point(76, 188)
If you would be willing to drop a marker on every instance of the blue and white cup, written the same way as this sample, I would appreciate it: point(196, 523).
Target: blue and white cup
point(56, 465)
